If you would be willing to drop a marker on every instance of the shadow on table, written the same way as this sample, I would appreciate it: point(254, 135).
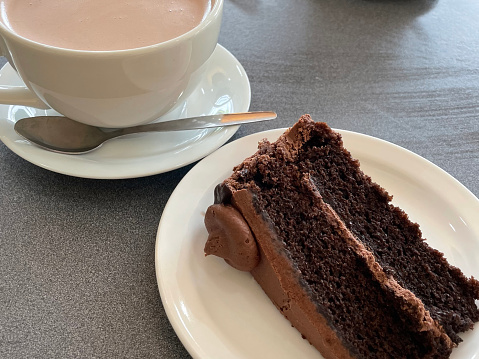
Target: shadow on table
point(414, 7)
point(413, 3)
point(397, 10)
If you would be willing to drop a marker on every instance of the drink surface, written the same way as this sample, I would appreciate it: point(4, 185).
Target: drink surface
point(102, 25)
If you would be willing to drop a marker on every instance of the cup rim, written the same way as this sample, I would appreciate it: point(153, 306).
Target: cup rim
point(214, 13)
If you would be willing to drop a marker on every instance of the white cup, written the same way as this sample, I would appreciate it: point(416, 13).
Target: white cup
point(110, 88)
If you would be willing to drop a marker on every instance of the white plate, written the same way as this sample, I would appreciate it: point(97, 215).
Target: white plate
point(219, 312)
point(224, 89)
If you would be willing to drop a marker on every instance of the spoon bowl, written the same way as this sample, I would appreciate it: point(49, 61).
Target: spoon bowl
point(64, 135)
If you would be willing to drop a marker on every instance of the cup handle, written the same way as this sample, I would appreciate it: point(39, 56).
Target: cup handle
point(20, 95)
point(17, 95)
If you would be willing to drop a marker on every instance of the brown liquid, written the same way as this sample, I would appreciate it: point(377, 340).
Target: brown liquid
point(101, 25)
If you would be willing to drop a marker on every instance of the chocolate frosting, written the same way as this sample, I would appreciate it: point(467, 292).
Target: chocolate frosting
point(230, 237)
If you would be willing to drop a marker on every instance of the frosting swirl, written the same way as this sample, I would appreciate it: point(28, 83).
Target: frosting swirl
point(230, 237)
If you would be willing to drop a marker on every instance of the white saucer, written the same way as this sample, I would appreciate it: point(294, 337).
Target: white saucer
point(224, 89)
point(219, 312)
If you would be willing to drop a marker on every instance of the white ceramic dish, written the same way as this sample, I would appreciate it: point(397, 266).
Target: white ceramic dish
point(224, 89)
point(108, 88)
point(219, 312)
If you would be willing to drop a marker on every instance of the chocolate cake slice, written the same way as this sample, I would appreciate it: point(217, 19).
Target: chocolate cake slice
point(349, 270)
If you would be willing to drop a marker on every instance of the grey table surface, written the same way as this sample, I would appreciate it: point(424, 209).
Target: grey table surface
point(77, 271)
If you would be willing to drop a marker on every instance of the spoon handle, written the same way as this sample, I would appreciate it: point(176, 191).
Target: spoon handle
point(193, 123)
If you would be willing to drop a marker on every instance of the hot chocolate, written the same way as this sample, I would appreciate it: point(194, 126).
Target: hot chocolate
point(102, 25)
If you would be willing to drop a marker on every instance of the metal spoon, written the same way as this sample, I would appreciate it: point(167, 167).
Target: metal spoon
point(64, 135)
